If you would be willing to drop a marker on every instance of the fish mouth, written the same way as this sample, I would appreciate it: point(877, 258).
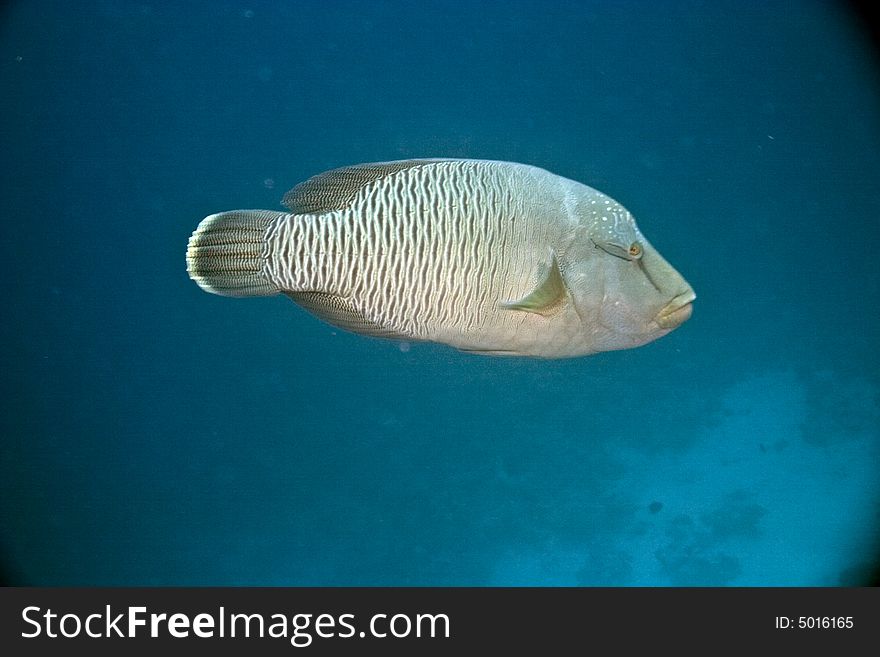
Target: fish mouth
point(676, 312)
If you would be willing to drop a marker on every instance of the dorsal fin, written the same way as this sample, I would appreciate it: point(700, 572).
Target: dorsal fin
point(335, 189)
point(340, 312)
point(548, 297)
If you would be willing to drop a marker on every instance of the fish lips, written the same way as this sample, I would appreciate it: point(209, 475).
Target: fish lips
point(676, 312)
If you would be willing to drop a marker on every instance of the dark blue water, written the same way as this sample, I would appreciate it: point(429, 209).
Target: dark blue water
point(154, 434)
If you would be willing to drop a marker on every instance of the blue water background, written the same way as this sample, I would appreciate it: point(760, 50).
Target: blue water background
point(154, 434)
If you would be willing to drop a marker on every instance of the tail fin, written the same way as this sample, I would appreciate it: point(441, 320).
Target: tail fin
point(227, 252)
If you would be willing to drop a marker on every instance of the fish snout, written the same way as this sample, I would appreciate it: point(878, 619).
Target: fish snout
point(676, 312)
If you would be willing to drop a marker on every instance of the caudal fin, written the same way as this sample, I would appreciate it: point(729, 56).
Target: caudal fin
point(227, 253)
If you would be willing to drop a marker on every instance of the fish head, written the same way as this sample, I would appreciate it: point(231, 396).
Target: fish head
point(626, 293)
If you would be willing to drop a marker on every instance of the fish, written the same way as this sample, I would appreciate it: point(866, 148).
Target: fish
point(490, 257)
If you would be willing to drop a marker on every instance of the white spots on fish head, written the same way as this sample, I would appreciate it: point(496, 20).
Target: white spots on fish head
point(609, 225)
point(614, 226)
point(623, 284)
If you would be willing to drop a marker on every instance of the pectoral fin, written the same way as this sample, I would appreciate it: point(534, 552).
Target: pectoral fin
point(548, 297)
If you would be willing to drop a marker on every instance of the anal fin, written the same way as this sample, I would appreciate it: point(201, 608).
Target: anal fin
point(490, 352)
point(341, 312)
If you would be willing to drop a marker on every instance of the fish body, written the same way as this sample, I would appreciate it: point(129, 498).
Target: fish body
point(490, 257)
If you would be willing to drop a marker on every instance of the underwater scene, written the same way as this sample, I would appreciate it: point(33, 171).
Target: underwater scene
point(153, 434)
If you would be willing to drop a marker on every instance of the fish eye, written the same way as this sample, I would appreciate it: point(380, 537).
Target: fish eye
point(634, 252)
